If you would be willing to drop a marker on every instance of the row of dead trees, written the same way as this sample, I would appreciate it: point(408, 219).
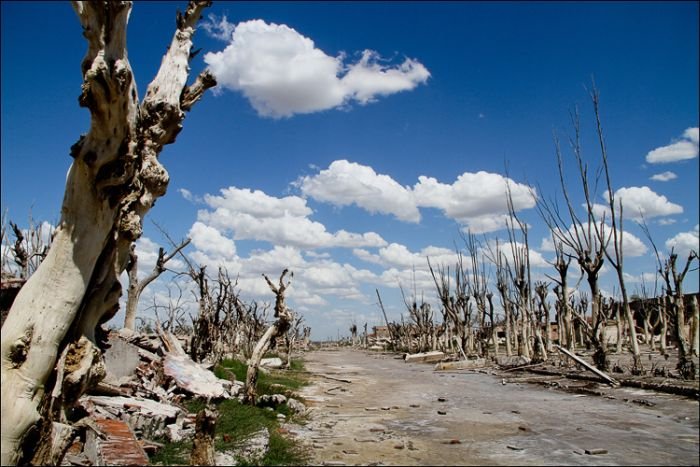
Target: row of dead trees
point(492, 271)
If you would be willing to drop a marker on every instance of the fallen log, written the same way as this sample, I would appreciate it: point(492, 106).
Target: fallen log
point(336, 379)
point(589, 367)
point(461, 364)
point(678, 390)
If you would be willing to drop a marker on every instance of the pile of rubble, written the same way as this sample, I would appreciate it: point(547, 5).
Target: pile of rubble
point(148, 378)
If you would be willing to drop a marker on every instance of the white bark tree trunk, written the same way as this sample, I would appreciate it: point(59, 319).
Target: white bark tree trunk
point(279, 327)
point(114, 180)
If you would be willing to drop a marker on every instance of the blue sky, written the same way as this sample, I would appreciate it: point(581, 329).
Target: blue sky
point(348, 140)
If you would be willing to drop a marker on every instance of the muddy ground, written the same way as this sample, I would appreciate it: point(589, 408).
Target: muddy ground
point(373, 408)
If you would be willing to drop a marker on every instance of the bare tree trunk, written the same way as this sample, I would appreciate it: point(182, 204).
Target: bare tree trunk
point(113, 182)
point(137, 287)
point(695, 326)
point(663, 316)
point(203, 443)
point(618, 325)
point(279, 327)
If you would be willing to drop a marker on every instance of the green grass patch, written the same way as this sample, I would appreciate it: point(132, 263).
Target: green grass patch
point(293, 378)
point(284, 452)
point(172, 453)
point(236, 422)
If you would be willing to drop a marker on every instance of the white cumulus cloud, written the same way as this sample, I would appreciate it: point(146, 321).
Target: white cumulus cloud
point(683, 149)
point(254, 215)
point(664, 176)
point(282, 73)
point(475, 200)
point(345, 183)
point(638, 202)
point(684, 242)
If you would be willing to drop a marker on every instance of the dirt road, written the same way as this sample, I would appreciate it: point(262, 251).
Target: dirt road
point(370, 408)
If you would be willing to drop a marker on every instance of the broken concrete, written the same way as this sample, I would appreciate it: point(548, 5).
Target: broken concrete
point(121, 358)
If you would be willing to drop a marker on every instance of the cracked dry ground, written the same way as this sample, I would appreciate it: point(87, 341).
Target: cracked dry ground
point(373, 408)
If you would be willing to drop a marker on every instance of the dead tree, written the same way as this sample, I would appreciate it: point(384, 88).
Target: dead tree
point(390, 327)
point(502, 286)
point(592, 333)
point(292, 335)
point(113, 182)
point(478, 289)
point(175, 319)
point(674, 305)
point(616, 259)
point(421, 319)
point(353, 333)
point(455, 303)
point(565, 321)
point(582, 236)
point(542, 313)
point(284, 318)
point(27, 251)
point(136, 286)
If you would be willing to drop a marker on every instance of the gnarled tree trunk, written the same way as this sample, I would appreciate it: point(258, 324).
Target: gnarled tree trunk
point(113, 182)
point(278, 328)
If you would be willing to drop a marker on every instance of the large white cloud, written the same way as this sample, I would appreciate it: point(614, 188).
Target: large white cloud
point(476, 200)
point(254, 215)
point(282, 73)
point(640, 202)
point(683, 149)
point(684, 242)
point(344, 183)
point(396, 255)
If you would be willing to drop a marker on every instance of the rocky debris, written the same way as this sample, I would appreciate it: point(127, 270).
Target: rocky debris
point(148, 376)
point(256, 446)
point(425, 357)
point(271, 362)
point(296, 407)
point(271, 400)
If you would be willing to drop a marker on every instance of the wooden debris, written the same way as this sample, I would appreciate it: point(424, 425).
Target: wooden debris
point(119, 447)
point(52, 453)
point(335, 379)
point(589, 367)
point(461, 364)
point(425, 357)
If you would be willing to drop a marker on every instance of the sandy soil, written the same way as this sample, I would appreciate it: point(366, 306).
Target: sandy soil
point(374, 409)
